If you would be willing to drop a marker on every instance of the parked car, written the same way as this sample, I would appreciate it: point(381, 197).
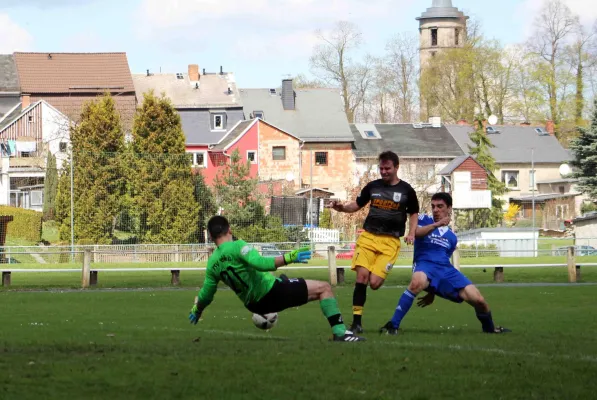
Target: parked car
point(580, 251)
point(346, 252)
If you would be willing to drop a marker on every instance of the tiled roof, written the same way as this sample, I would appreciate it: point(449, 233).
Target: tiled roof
point(73, 73)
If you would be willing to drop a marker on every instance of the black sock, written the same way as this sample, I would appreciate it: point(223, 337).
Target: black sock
point(486, 321)
point(358, 302)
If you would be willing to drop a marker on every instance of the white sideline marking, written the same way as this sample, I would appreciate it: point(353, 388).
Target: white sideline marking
point(456, 347)
point(246, 334)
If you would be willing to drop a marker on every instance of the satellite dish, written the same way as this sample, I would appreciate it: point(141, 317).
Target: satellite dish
point(290, 177)
point(493, 120)
point(564, 170)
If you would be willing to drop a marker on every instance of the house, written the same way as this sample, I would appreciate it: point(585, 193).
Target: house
point(208, 103)
point(467, 181)
point(585, 230)
point(552, 211)
point(424, 150)
point(517, 149)
point(315, 117)
point(9, 84)
point(68, 80)
point(26, 136)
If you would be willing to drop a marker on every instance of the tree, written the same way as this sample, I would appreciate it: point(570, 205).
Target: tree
point(50, 187)
point(99, 181)
point(63, 202)
point(205, 198)
point(301, 81)
point(487, 218)
point(163, 189)
point(552, 27)
point(331, 62)
point(584, 149)
point(236, 193)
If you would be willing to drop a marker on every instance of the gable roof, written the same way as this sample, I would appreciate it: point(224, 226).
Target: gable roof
point(18, 112)
point(9, 79)
point(73, 72)
point(318, 115)
point(455, 163)
point(239, 130)
point(405, 140)
point(514, 144)
point(212, 91)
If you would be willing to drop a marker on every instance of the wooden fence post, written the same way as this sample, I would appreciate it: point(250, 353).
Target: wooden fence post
point(498, 274)
point(86, 268)
point(571, 264)
point(332, 265)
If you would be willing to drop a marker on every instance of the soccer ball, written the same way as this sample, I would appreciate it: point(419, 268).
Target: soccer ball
point(266, 321)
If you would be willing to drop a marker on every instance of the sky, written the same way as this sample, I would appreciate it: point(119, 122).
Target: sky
point(261, 41)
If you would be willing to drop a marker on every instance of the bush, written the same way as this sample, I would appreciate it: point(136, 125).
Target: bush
point(27, 224)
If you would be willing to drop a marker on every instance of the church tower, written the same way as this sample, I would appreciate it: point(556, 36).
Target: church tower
point(441, 27)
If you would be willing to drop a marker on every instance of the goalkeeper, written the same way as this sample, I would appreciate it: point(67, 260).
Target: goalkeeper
point(246, 272)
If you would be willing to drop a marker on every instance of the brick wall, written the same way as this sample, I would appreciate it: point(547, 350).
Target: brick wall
point(270, 169)
point(337, 174)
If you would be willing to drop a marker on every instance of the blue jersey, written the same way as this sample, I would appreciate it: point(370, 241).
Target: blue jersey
point(437, 247)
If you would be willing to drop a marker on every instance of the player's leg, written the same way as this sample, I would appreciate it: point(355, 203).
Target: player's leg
point(363, 259)
point(473, 296)
point(322, 291)
point(418, 283)
point(387, 249)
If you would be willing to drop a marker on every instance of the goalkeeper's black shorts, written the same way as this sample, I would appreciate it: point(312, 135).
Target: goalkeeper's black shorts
point(284, 294)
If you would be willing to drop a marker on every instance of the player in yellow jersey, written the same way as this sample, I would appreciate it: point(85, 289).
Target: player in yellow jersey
point(391, 201)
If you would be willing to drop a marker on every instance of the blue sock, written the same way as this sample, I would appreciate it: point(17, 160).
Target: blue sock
point(486, 321)
point(404, 304)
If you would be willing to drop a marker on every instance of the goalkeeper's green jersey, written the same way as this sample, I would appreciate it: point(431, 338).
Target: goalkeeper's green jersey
point(241, 268)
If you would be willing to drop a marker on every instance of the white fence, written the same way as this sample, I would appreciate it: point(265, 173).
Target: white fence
point(321, 235)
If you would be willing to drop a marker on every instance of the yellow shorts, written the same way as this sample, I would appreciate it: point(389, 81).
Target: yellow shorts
point(376, 253)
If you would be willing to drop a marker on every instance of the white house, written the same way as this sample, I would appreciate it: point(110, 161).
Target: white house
point(27, 133)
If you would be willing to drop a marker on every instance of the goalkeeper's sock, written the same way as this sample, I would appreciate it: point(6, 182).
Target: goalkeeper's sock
point(404, 304)
point(486, 321)
point(330, 310)
point(359, 297)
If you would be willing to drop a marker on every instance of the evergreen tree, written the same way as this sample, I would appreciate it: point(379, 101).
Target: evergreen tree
point(62, 207)
point(97, 142)
point(487, 218)
point(205, 198)
point(161, 183)
point(236, 193)
point(50, 187)
point(585, 157)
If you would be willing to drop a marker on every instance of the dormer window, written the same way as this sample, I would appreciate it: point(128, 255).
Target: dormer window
point(258, 114)
point(218, 121)
point(370, 134)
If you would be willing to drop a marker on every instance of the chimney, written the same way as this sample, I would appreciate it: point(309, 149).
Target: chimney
point(221, 70)
point(288, 98)
point(462, 122)
point(550, 127)
point(25, 101)
point(203, 71)
point(193, 72)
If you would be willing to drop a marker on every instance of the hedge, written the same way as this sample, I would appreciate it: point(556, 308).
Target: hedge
point(26, 224)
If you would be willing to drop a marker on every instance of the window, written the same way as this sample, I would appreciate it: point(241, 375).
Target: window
point(272, 92)
point(179, 76)
point(252, 156)
point(199, 159)
point(561, 210)
point(30, 118)
point(532, 180)
point(457, 36)
point(321, 158)
point(37, 198)
point(279, 153)
point(218, 121)
point(430, 172)
point(370, 134)
point(258, 114)
point(434, 36)
point(510, 178)
point(63, 146)
point(562, 189)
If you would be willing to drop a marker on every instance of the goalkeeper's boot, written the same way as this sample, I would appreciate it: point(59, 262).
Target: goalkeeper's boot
point(356, 328)
point(388, 329)
point(501, 329)
point(348, 337)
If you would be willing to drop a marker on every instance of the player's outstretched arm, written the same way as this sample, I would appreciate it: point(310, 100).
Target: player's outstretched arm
point(349, 208)
point(423, 231)
point(204, 298)
point(265, 264)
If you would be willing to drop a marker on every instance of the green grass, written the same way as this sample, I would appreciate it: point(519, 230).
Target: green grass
point(139, 345)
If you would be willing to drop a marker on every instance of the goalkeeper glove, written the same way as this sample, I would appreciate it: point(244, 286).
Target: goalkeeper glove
point(195, 313)
point(300, 255)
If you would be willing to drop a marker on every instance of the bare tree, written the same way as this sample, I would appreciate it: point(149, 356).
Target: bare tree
point(301, 81)
point(552, 27)
point(403, 71)
point(331, 62)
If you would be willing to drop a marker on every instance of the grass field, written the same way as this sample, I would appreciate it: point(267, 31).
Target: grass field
point(139, 345)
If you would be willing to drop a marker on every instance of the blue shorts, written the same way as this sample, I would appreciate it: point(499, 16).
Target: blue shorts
point(444, 281)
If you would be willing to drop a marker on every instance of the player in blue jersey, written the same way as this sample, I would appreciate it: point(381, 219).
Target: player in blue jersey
point(432, 271)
